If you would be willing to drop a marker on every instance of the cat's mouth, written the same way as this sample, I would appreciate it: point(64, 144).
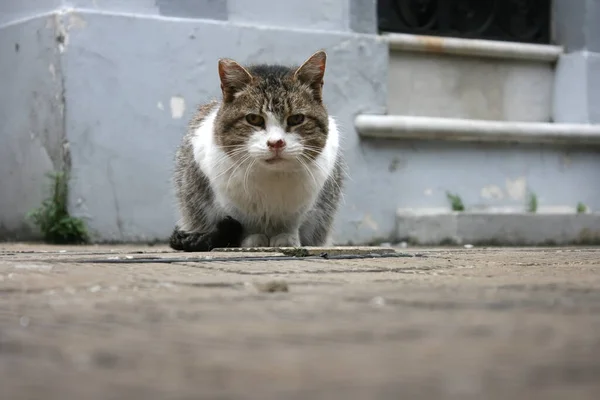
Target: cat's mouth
point(274, 160)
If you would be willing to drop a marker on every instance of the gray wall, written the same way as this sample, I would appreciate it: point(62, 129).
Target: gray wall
point(131, 81)
point(331, 15)
point(31, 113)
point(12, 11)
point(577, 93)
point(124, 124)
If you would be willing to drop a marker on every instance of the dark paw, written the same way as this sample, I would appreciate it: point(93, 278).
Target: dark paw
point(185, 241)
point(227, 233)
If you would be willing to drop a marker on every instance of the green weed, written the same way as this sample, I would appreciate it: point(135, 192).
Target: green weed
point(455, 202)
point(532, 203)
point(52, 217)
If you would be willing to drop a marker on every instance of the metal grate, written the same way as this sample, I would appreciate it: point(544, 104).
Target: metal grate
point(509, 20)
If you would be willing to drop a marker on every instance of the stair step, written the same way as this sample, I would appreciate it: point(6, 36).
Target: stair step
point(467, 78)
point(469, 130)
point(473, 47)
point(520, 229)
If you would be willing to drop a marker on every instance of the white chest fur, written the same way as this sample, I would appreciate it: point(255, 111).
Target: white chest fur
point(259, 196)
point(267, 195)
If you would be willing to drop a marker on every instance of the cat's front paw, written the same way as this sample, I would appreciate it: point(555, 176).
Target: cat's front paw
point(285, 240)
point(256, 240)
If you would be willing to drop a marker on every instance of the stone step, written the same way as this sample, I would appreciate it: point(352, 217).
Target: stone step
point(470, 78)
point(469, 130)
point(482, 228)
point(473, 47)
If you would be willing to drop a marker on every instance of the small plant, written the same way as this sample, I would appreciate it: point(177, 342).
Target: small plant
point(532, 203)
point(455, 202)
point(581, 208)
point(53, 218)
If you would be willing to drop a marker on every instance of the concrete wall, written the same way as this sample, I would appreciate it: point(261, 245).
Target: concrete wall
point(331, 15)
point(124, 123)
point(576, 27)
point(31, 111)
point(132, 76)
point(12, 11)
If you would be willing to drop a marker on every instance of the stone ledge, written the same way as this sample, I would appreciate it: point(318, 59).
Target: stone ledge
point(473, 47)
point(470, 130)
point(512, 229)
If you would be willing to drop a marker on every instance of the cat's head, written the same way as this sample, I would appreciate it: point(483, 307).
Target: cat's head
point(271, 114)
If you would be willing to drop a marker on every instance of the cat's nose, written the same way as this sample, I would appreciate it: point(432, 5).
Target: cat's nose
point(276, 144)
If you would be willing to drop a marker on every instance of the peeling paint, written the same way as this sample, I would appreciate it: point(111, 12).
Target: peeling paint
point(76, 21)
point(62, 34)
point(431, 43)
point(73, 21)
point(516, 188)
point(492, 192)
point(52, 70)
point(177, 107)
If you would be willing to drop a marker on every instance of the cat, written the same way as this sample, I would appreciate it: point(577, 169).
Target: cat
point(262, 167)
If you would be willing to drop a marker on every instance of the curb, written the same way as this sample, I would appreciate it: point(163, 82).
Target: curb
point(514, 229)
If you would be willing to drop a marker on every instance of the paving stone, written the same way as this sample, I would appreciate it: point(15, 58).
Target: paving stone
point(448, 323)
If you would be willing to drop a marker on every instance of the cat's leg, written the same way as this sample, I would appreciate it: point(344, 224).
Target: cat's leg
point(226, 233)
point(285, 240)
point(189, 241)
point(317, 225)
point(256, 240)
point(316, 229)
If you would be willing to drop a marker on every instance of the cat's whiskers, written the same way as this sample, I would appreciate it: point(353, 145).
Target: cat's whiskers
point(324, 172)
point(316, 151)
point(246, 174)
point(223, 159)
point(238, 165)
point(219, 161)
point(312, 163)
point(307, 169)
point(233, 146)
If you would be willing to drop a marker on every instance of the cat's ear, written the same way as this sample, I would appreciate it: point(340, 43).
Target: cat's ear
point(312, 72)
point(234, 78)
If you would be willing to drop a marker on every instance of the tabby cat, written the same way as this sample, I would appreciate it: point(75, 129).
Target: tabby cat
point(262, 166)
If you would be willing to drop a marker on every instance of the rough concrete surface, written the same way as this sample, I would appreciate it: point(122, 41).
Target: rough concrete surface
point(147, 323)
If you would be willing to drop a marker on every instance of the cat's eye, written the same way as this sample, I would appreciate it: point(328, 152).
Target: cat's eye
point(255, 119)
point(295, 119)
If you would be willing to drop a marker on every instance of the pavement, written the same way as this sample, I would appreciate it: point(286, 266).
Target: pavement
point(140, 322)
